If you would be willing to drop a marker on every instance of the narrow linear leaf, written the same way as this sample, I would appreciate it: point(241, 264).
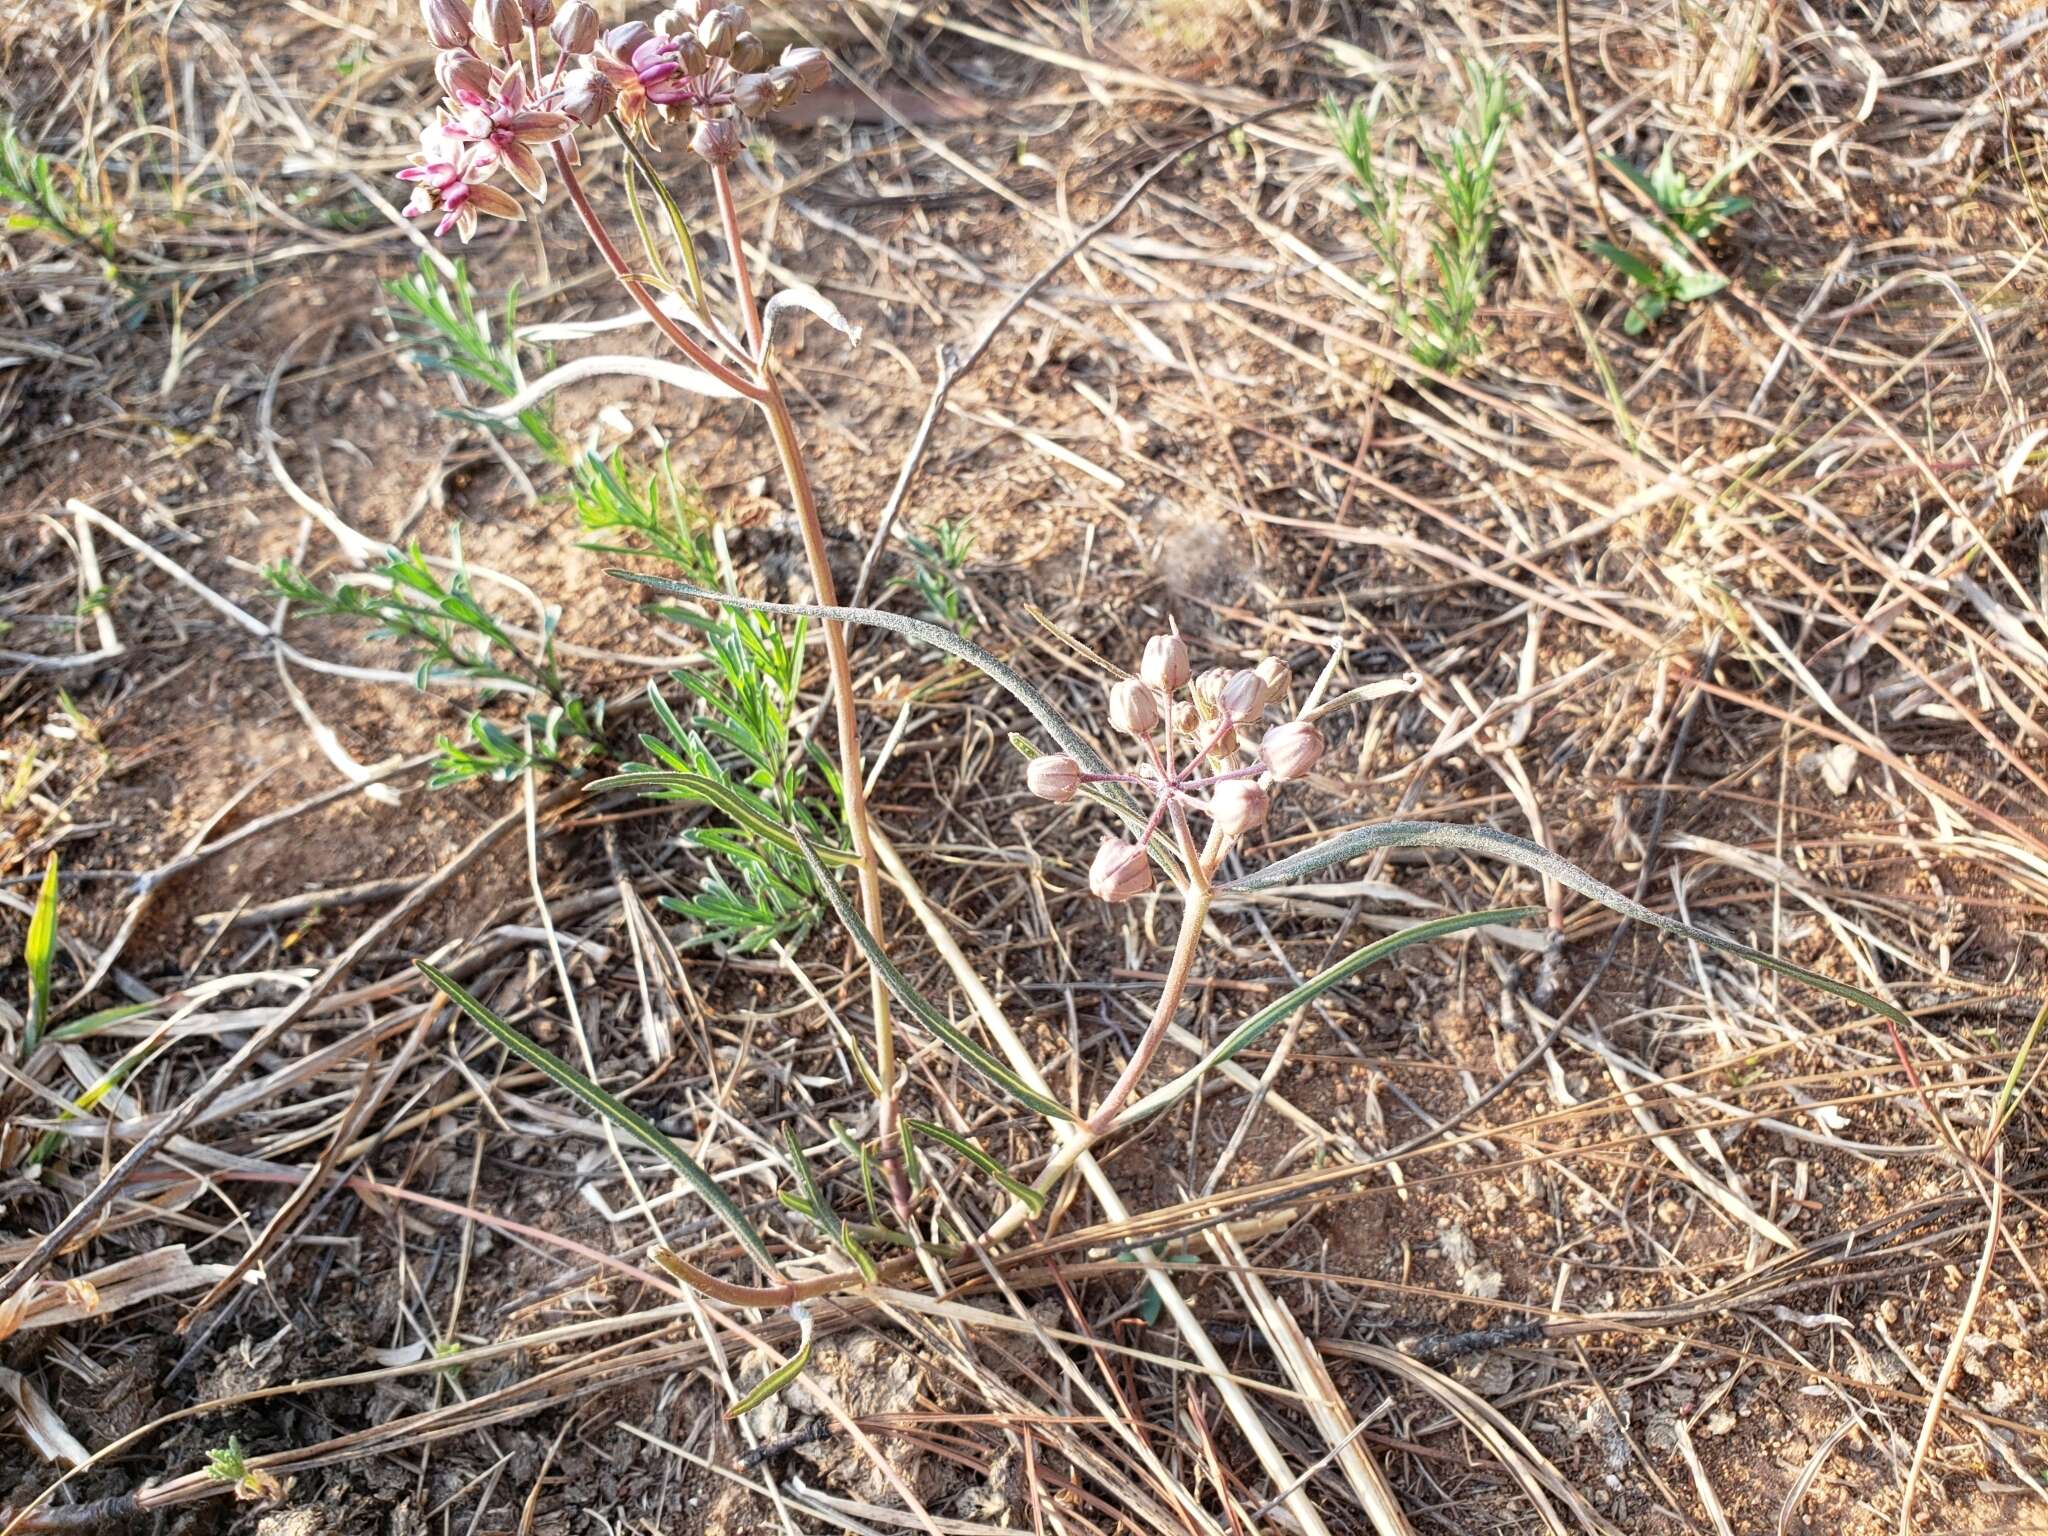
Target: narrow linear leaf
point(1506, 847)
point(820, 1211)
point(927, 1015)
point(38, 950)
point(1033, 1199)
point(782, 1375)
point(647, 242)
point(678, 225)
point(107, 1018)
point(1280, 1011)
point(698, 786)
point(862, 1157)
point(47, 1144)
point(643, 1130)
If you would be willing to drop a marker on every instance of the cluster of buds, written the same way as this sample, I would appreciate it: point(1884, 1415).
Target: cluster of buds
point(695, 62)
point(698, 62)
point(1223, 777)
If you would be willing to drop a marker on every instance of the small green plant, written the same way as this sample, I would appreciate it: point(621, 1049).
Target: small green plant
point(459, 339)
point(736, 752)
point(1433, 304)
point(941, 554)
point(1695, 213)
point(230, 1464)
point(29, 186)
point(454, 637)
point(38, 951)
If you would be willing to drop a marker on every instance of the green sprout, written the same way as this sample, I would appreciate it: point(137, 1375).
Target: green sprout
point(1687, 215)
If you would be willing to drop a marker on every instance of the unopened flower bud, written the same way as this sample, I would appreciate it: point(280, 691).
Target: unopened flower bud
point(749, 53)
point(812, 68)
point(753, 94)
point(1290, 750)
point(1209, 689)
point(587, 95)
point(447, 22)
point(1239, 806)
point(1186, 718)
point(1241, 696)
point(624, 38)
point(576, 27)
point(502, 22)
point(717, 140)
point(1055, 777)
point(1132, 707)
point(716, 32)
point(697, 10)
point(459, 70)
point(674, 22)
point(1277, 679)
point(691, 59)
point(787, 86)
point(1121, 870)
point(1165, 665)
point(538, 12)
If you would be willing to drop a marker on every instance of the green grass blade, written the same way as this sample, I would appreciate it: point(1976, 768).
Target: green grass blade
point(119, 1073)
point(927, 1015)
point(105, 1018)
point(1032, 1198)
point(37, 953)
point(2008, 1093)
point(1285, 1008)
point(1508, 848)
point(643, 1130)
point(698, 786)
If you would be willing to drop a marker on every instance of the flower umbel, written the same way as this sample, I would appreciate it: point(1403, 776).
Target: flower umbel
point(697, 65)
point(1217, 780)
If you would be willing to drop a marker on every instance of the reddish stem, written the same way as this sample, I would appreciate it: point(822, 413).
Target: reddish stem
point(729, 216)
point(683, 341)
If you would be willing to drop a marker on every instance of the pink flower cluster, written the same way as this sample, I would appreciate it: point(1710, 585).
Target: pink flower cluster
point(695, 62)
point(491, 119)
point(1221, 706)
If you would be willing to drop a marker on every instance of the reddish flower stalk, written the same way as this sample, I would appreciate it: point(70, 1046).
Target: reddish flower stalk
point(698, 65)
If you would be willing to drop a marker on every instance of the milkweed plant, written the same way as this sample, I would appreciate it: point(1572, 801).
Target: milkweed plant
point(530, 85)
